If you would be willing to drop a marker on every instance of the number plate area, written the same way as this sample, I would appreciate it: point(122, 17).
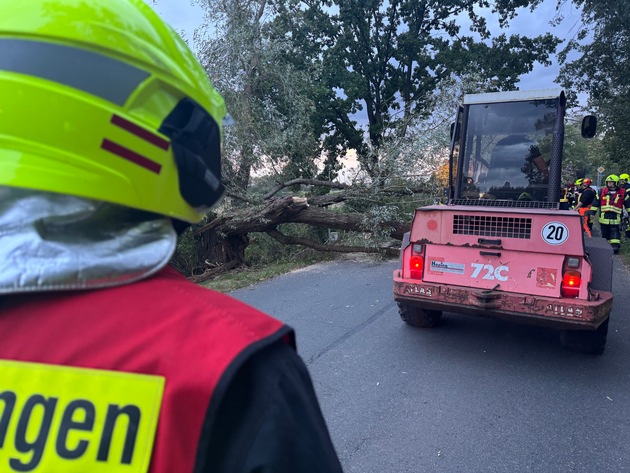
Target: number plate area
point(488, 268)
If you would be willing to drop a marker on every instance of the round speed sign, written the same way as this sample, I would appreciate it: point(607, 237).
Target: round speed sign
point(555, 233)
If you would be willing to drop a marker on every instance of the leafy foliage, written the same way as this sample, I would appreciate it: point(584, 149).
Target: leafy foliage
point(581, 157)
point(267, 97)
point(388, 59)
point(311, 83)
point(602, 70)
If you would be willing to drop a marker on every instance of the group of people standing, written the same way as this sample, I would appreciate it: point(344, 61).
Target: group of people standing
point(610, 205)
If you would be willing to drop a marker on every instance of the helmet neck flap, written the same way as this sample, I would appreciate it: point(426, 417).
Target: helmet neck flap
point(54, 242)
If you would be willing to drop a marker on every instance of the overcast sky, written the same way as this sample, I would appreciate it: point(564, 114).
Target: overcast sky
point(184, 18)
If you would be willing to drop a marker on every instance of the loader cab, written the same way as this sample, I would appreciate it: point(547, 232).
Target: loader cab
point(507, 146)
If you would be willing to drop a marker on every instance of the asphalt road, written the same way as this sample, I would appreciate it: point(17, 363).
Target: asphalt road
point(475, 395)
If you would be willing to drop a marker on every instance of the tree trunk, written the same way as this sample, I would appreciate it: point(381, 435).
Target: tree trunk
point(222, 242)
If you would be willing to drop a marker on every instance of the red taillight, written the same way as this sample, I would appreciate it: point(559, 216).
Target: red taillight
point(571, 282)
point(416, 263)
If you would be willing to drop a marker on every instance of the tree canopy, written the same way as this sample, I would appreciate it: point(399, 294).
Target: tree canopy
point(310, 83)
point(384, 62)
point(597, 62)
point(312, 79)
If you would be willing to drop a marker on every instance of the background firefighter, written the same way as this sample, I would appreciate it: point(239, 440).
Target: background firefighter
point(623, 183)
point(586, 197)
point(568, 194)
point(612, 201)
point(577, 189)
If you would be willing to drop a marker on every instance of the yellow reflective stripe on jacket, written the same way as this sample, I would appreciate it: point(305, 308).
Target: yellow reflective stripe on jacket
point(610, 208)
point(609, 221)
point(65, 419)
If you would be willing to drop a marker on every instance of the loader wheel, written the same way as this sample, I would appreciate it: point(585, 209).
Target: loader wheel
point(419, 317)
point(585, 341)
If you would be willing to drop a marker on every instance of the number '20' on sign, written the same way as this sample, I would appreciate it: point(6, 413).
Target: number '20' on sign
point(555, 233)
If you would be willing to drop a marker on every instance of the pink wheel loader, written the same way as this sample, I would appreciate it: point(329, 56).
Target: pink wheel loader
point(503, 244)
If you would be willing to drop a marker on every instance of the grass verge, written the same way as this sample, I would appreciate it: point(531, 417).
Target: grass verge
point(245, 277)
point(240, 278)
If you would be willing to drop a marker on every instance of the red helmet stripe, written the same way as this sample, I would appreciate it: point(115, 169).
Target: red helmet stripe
point(140, 132)
point(132, 156)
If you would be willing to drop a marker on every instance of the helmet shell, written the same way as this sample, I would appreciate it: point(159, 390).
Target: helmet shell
point(578, 182)
point(612, 177)
point(624, 176)
point(587, 180)
point(85, 86)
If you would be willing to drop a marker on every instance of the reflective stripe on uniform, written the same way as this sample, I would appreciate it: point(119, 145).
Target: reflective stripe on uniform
point(94, 73)
point(60, 418)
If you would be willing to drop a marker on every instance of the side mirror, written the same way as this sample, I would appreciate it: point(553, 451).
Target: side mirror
point(589, 126)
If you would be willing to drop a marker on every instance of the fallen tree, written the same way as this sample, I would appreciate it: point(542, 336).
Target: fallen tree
point(220, 243)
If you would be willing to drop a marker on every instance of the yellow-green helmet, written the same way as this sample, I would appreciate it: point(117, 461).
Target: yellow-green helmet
point(101, 99)
point(578, 182)
point(612, 177)
point(624, 176)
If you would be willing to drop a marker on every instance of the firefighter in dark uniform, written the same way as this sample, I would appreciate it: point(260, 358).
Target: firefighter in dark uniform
point(587, 196)
point(612, 202)
point(577, 190)
point(568, 194)
point(110, 134)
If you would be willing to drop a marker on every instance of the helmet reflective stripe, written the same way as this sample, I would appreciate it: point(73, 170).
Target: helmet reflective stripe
point(94, 73)
point(141, 132)
point(129, 155)
point(108, 144)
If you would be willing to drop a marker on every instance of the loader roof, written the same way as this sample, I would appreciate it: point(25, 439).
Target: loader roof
point(513, 96)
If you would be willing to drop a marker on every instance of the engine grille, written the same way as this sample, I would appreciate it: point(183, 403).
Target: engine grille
point(493, 226)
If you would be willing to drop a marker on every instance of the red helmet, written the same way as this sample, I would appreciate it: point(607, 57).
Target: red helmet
point(587, 180)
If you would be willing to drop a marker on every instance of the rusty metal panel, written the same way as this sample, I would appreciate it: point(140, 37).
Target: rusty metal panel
point(558, 312)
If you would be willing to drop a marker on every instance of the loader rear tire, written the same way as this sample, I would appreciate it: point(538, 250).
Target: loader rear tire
point(585, 341)
point(418, 317)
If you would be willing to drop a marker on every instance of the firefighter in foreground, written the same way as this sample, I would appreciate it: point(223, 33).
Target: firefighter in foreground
point(110, 360)
point(612, 202)
point(586, 197)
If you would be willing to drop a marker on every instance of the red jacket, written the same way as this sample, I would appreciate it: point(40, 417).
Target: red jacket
point(617, 203)
point(163, 326)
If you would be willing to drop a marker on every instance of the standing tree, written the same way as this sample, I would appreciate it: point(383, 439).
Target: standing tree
point(313, 80)
point(388, 59)
point(266, 96)
point(602, 69)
